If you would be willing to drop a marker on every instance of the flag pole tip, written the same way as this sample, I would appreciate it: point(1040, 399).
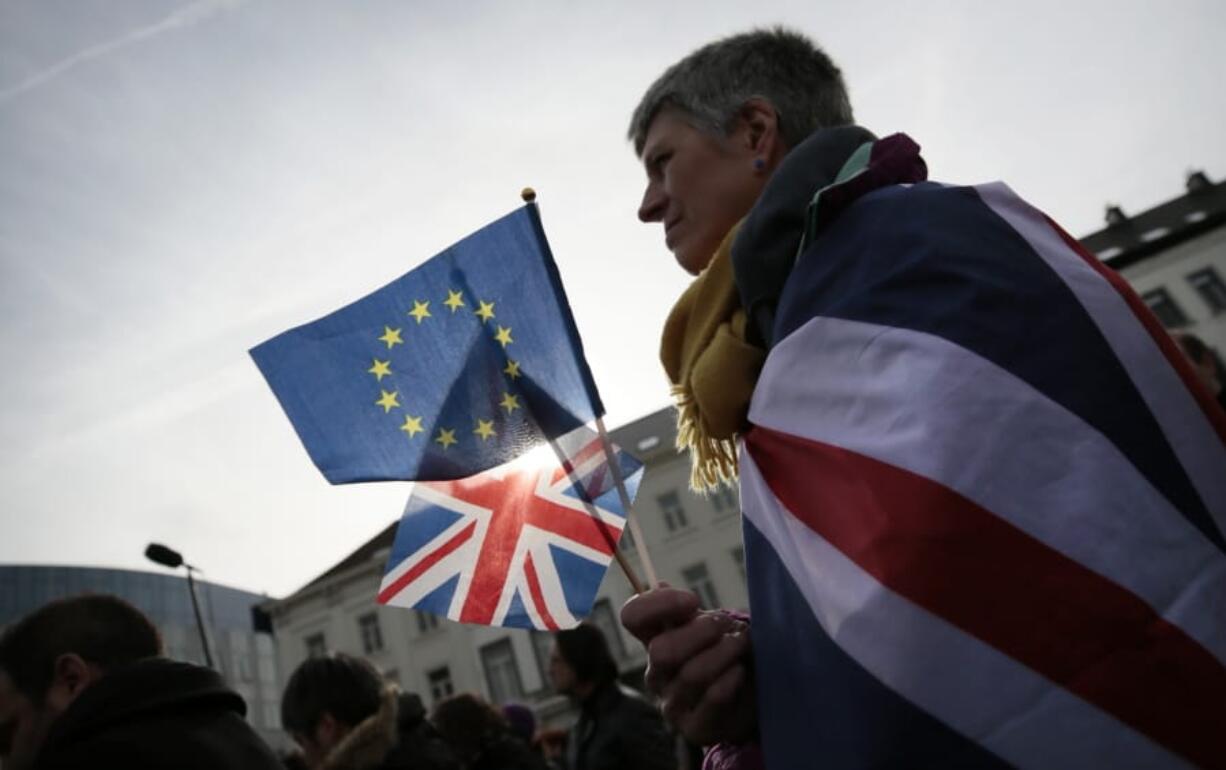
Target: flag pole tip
point(528, 194)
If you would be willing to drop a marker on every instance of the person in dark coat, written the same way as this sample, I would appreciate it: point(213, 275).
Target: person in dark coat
point(617, 728)
point(480, 735)
point(82, 685)
point(344, 717)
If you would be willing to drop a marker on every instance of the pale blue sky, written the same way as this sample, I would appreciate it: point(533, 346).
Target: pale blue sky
point(183, 180)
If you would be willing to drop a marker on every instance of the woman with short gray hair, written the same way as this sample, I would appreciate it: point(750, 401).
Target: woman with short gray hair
point(949, 429)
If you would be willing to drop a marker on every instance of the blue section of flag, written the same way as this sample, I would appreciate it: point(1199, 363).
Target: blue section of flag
point(517, 614)
point(580, 579)
point(428, 522)
point(438, 600)
point(456, 367)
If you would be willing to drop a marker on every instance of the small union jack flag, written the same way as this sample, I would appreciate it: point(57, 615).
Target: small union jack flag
point(523, 545)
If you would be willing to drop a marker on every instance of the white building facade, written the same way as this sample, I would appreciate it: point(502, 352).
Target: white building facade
point(1174, 256)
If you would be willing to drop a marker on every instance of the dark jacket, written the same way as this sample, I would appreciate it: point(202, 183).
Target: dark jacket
point(506, 752)
point(153, 714)
point(396, 737)
point(618, 730)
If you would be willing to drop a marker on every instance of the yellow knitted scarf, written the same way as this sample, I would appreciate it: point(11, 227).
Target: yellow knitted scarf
point(712, 369)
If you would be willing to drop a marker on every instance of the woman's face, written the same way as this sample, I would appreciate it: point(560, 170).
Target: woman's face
point(698, 185)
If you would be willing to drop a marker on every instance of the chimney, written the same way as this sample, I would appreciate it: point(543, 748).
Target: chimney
point(1197, 181)
point(1115, 215)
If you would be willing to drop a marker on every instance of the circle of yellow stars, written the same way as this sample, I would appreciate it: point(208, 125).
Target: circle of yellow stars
point(390, 399)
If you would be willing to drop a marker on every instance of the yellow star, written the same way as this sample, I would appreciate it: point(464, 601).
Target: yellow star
point(455, 300)
point(387, 400)
point(412, 425)
point(445, 437)
point(485, 429)
point(420, 311)
point(509, 402)
point(512, 369)
point(380, 370)
point(391, 337)
point(486, 310)
point(504, 335)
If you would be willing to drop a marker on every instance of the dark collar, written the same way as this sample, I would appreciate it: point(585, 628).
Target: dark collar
point(770, 238)
point(147, 686)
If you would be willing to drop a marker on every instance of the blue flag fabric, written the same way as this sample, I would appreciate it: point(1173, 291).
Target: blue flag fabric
point(460, 365)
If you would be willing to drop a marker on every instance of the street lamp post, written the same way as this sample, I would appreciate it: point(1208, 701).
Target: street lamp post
point(168, 557)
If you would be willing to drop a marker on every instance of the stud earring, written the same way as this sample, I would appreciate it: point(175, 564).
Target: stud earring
point(759, 164)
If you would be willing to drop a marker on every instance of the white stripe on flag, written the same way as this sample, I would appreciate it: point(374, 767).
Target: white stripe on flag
point(1192, 438)
point(921, 403)
point(978, 691)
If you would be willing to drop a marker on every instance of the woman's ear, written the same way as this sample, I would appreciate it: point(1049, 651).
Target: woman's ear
point(759, 124)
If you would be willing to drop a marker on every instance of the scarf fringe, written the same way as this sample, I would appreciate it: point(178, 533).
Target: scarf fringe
point(712, 460)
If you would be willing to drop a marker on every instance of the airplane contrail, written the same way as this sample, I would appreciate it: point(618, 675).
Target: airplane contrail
point(185, 16)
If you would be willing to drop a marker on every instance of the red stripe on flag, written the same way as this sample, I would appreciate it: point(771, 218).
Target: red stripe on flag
point(538, 596)
point(420, 568)
point(579, 458)
point(1168, 346)
point(980, 573)
point(579, 526)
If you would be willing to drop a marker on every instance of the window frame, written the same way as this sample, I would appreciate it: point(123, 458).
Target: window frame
point(1209, 285)
point(703, 585)
point(485, 652)
point(369, 622)
point(1160, 303)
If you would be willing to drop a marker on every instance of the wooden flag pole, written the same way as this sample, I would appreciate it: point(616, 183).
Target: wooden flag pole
point(529, 196)
point(632, 520)
point(627, 570)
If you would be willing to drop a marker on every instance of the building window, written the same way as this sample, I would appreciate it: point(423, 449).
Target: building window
point(440, 684)
point(674, 514)
point(542, 645)
point(602, 617)
point(1210, 287)
point(699, 581)
point(723, 499)
point(372, 636)
point(316, 646)
point(738, 556)
point(426, 621)
point(501, 672)
point(1165, 308)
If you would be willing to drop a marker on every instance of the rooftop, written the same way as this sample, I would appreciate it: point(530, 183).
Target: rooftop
point(1128, 239)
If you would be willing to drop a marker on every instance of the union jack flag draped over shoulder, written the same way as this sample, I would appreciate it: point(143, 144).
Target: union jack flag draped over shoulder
point(984, 501)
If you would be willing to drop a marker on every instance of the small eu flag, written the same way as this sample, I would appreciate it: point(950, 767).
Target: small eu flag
point(456, 367)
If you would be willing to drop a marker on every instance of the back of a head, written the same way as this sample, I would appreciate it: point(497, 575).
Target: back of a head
point(103, 630)
point(712, 84)
point(586, 651)
point(348, 688)
point(467, 722)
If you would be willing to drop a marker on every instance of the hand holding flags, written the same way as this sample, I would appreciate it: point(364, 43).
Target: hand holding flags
point(447, 374)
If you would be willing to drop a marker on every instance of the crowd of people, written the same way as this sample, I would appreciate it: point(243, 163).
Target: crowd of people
point(84, 684)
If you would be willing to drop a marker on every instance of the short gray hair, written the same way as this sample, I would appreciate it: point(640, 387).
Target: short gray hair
point(712, 84)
